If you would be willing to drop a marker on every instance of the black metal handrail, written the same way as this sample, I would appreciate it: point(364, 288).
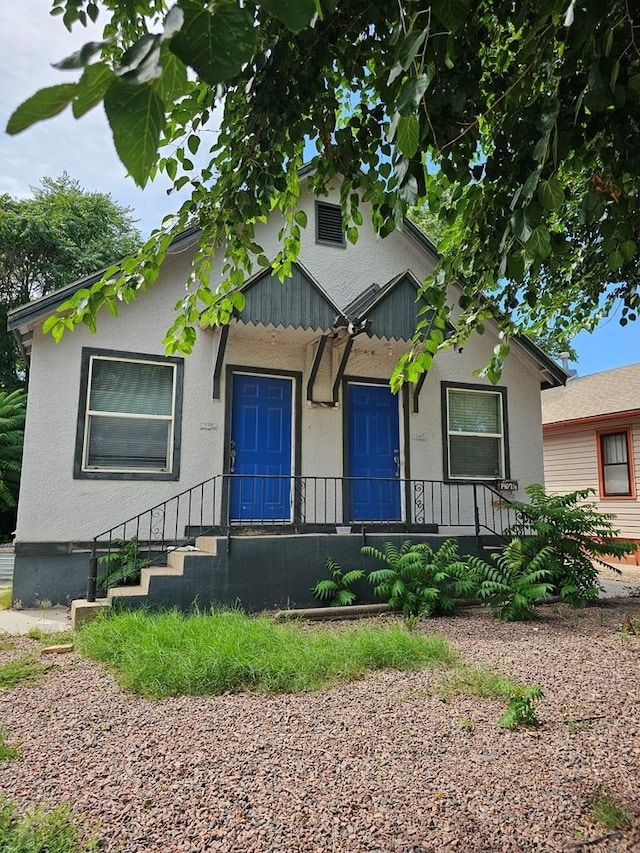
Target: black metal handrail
point(232, 502)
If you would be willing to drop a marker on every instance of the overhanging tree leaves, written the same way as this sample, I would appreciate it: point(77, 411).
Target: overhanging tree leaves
point(527, 115)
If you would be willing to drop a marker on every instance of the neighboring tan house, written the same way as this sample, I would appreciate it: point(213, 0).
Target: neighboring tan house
point(275, 439)
point(592, 441)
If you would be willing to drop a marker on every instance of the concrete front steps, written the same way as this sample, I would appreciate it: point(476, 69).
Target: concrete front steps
point(262, 572)
point(83, 610)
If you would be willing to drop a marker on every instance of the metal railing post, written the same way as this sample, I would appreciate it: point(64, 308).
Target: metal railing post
point(92, 577)
point(228, 512)
point(476, 514)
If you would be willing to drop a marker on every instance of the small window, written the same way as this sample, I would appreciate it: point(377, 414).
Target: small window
point(329, 224)
point(474, 429)
point(616, 470)
point(129, 416)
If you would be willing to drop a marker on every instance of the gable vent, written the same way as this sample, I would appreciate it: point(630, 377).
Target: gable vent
point(329, 224)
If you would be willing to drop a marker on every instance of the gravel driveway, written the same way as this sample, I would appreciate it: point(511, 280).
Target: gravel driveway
point(381, 764)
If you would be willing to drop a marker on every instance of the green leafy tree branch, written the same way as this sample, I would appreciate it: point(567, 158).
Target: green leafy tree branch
point(526, 115)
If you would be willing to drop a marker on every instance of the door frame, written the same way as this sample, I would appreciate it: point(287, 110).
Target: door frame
point(296, 426)
point(404, 435)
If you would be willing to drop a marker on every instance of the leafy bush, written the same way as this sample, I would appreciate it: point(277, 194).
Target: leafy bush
point(575, 534)
point(419, 581)
point(520, 710)
point(123, 564)
point(335, 590)
point(515, 581)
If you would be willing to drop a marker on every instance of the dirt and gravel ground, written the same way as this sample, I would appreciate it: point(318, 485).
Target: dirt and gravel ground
point(382, 764)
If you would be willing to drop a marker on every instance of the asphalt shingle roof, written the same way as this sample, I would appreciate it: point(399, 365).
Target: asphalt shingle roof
point(604, 393)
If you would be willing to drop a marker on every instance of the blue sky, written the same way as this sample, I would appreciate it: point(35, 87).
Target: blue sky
point(30, 40)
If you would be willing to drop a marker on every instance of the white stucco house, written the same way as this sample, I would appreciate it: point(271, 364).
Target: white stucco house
point(277, 440)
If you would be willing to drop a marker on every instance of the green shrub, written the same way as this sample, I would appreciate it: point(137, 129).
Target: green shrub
point(170, 654)
point(515, 581)
point(336, 590)
point(576, 534)
point(520, 710)
point(419, 581)
point(123, 564)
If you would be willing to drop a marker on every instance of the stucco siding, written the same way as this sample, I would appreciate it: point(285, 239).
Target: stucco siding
point(56, 507)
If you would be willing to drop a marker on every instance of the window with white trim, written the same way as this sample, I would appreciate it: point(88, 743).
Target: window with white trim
point(475, 434)
point(130, 413)
point(615, 480)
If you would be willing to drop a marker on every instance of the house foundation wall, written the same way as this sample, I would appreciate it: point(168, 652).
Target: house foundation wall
point(48, 572)
point(267, 573)
point(258, 573)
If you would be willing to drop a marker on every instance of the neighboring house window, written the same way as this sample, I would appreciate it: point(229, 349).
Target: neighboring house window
point(616, 468)
point(329, 224)
point(475, 433)
point(129, 418)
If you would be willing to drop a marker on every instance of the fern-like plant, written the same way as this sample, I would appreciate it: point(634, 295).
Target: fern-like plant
point(520, 709)
point(13, 407)
point(123, 564)
point(419, 581)
point(577, 536)
point(515, 581)
point(336, 590)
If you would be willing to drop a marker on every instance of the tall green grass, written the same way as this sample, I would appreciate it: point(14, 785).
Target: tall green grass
point(24, 670)
point(5, 598)
point(170, 654)
point(42, 830)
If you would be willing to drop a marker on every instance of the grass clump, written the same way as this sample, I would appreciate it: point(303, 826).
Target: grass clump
point(476, 681)
point(170, 654)
point(5, 598)
point(24, 670)
point(42, 830)
point(8, 751)
point(58, 638)
point(607, 811)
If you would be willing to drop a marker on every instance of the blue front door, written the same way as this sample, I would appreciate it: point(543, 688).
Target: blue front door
point(373, 453)
point(261, 449)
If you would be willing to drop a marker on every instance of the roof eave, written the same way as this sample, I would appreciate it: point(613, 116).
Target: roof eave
point(591, 419)
point(30, 312)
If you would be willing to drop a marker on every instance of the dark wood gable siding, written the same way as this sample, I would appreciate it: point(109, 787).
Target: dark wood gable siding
point(395, 313)
point(296, 302)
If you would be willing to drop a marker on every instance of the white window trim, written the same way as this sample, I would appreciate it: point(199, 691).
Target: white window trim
point(89, 413)
point(498, 435)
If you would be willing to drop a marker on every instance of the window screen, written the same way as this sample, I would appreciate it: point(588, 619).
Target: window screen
point(129, 421)
point(475, 434)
